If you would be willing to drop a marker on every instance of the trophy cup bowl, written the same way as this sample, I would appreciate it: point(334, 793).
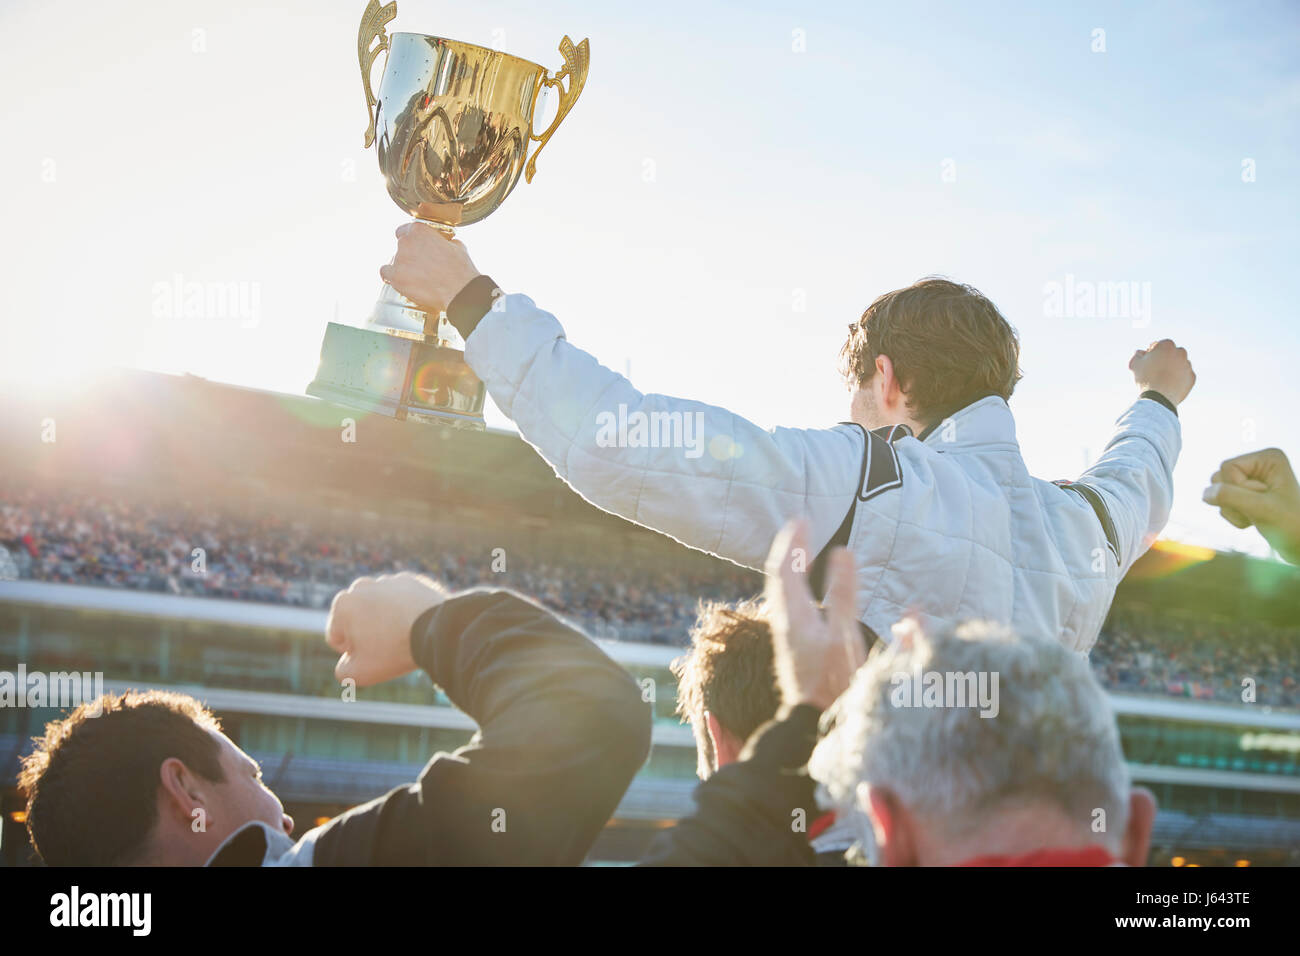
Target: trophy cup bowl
point(452, 123)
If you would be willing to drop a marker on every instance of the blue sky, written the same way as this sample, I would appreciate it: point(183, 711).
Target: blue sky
point(737, 182)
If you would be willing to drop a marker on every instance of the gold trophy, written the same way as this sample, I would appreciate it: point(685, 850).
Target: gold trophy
point(453, 123)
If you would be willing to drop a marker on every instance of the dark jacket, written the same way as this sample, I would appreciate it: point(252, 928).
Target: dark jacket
point(562, 731)
point(756, 811)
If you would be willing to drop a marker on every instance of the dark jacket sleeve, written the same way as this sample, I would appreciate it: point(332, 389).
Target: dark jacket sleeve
point(753, 812)
point(562, 731)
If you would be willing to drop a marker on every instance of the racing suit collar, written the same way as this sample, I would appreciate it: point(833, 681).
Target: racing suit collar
point(986, 421)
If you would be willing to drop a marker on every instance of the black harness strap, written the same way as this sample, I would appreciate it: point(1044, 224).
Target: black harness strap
point(880, 472)
point(1091, 495)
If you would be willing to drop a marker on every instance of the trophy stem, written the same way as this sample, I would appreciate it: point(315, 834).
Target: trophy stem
point(442, 227)
point(397, 314)
point(407, 363)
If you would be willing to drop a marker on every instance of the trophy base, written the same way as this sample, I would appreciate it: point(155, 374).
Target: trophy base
point(400, 374)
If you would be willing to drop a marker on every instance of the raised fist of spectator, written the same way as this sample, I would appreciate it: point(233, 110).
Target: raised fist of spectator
point(370, 625)
point(1260, 489)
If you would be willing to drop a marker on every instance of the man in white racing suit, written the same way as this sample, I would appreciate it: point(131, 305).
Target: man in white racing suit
point(926, 484)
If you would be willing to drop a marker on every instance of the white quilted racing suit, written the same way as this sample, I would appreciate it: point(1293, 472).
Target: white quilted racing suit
point(948, 525)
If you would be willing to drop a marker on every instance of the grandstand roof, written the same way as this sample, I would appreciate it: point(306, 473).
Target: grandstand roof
point(138, 430)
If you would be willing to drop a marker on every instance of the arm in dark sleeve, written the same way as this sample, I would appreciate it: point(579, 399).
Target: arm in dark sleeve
point(753, 812)
point(562, 731)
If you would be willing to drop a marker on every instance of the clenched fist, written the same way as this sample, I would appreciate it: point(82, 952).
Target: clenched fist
point(1260, 489)
point(1163, 368)
point(429, 268)
point(370, 625)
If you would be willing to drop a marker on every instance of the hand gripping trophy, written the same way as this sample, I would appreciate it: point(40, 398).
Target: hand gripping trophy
point(453, 123)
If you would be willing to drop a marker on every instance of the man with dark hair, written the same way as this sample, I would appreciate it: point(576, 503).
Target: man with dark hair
point(925, 485)
point(96, 779)
point(152, 780)
point(946, 344)
point(727, 689)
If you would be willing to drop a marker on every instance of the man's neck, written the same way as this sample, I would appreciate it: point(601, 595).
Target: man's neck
point(178, 848)
point(916, 427)
point(1013, 832)
point(1091, 855)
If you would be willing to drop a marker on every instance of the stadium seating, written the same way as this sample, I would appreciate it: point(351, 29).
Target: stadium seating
point(603, 582)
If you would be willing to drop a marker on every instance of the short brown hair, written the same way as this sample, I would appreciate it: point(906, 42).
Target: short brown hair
point(728, 672)
point(92, 781)
point(950, 346)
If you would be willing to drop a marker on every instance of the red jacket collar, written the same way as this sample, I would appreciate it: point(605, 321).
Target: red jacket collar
point(1075, 856)
point(820, 825)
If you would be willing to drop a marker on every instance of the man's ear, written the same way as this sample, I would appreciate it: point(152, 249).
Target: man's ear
point(179, 790)
point(889, 393)
point(895, 842)
point(1137, 835)
point(726, 748)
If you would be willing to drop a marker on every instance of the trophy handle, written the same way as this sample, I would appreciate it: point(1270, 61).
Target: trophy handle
point(373, 26)
point(576, 60)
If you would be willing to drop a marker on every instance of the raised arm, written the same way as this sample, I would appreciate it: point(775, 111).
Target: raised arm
point(562, 731)
point(1260, 489)
point(1135, 473)
point(700, 473)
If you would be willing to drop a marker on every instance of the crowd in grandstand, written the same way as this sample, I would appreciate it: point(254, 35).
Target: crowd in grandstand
point(105, 540)
point(219, 552)
point(1161, 653)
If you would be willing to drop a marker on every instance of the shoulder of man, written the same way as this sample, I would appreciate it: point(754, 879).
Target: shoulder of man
point(882, 466)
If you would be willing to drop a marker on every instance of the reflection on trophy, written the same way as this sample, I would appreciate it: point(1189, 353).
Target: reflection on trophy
point(453, 123)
